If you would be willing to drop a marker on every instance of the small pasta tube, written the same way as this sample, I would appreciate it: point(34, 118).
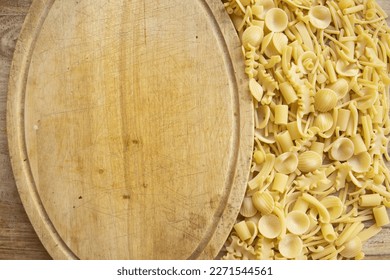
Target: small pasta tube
point(330, 70)
point(343, 119)
point(358, 144)
point(322, 211)
point(370, 200)
point(285, 141)
point(318, 147)
point(281, 114)
point(280, 182)
point(301, 205)
point(288, 92)
point(293, 129)
point(242, 230)
point(380, 215)
point(328, 232)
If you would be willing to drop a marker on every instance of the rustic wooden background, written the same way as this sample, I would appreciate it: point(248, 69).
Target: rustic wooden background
point(17, 237)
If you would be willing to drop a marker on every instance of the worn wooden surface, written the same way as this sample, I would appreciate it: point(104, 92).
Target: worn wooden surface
point(127, 131)
point(17, 237)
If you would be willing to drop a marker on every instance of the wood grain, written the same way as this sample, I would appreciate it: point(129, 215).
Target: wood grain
point(125, 138)
point(17, 237)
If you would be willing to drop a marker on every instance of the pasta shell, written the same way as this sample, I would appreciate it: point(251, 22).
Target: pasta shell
point(324, 121)
point(342, 149)
point(307, 62)
point(340, 87)
point(360, 162)
point(370, 97)
point(263, 202)
point(290, 246)
point(286, 163)
point(270, 226)
point(325, 100)
point(279, 41)
point(320, 17)
point(345, 69)
point(309, 161)
point(252, 36)
point(266, 43)
point(276, 20)
point(334, 206)
point(297, 222)
point(247, 208)
point(352, 248)
point(256, 89)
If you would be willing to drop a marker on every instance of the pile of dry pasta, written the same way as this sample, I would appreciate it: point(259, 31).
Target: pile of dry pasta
point(318, 73)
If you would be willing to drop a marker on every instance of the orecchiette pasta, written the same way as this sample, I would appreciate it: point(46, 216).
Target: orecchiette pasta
point(318, 75)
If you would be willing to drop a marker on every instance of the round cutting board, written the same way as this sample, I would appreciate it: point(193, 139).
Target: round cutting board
point(130, 127)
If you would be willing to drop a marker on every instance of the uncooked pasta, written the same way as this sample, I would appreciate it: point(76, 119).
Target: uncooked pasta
point(319, 187)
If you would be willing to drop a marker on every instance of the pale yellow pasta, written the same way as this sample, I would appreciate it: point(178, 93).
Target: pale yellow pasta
point(290, 246)
point(342, 149)
point(319, 76)
point(276, 20)
point(320, 16)
point(343, 119)
point(242, 230)
point(358, 144)
point(288, 92)
point(352, 248)
point(322, 211)
point(370, 200)
point(323, 121)
point(280, 182)
point(263, 202)
point(328, 232)
point(297, 222)
point(270, 226)
point(285, 141)
point(256, 89)
point(325, 100)
point(380, 215)
point(252, 36)
point(309, 161)
point(281, 114)
point(286, 163)
point(361, 162)
point(247, 209)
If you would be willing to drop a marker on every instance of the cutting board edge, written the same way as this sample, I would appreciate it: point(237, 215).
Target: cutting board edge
point(18, 151)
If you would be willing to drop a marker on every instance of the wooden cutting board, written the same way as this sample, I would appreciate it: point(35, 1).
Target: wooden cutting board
point(130, 127)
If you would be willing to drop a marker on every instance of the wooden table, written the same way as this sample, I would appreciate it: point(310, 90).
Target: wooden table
point(17, 237)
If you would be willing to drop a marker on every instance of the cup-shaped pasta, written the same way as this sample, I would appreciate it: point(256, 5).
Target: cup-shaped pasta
point(301, 205)
point(252, 36)
point(242, 230)
point(340, 87)
point(297, 222)
point(286, 163)
point(360, 162)
point(253, 231)
point(324, 121)
point(290, 246)
point(270, 226)
point(309, 161)
point(352, 248)
point(334, 206)
point(263, 202)
point(342, 149)
point(256, 89)
point(264, 6)
point(320, 17)
point(279, 41)
point(345, 69)
point(325, 100)
point(276, 20)
point(307, 62)
point(247, 208)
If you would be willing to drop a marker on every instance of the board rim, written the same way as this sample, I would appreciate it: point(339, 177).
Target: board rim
point(26, 186)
